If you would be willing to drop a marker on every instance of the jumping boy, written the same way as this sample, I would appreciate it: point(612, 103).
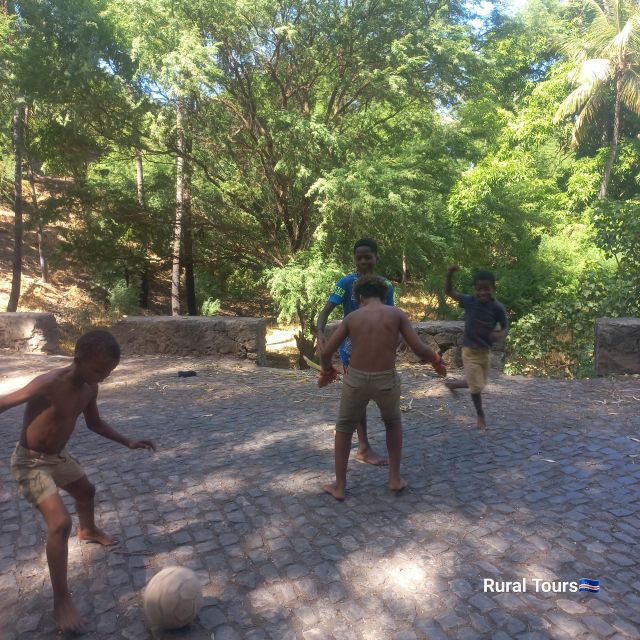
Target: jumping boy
point(365, 253)
point(483, 313)
point(374, 329)
point(41, 462)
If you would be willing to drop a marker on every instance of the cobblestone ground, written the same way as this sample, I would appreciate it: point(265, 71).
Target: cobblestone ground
point(551, 492)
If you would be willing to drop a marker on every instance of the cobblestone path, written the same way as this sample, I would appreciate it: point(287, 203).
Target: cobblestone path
point(551, 493)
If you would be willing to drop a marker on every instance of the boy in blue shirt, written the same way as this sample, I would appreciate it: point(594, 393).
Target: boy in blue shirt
point(483, 313)
point(365, 253)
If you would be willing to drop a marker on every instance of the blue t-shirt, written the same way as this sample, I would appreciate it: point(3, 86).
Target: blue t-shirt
point(343, 294)
point(480, 319)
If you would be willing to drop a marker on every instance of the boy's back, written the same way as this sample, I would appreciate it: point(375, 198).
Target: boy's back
point(374, 329)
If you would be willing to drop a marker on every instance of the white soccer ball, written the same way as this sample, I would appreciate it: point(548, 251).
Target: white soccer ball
point(172, 598)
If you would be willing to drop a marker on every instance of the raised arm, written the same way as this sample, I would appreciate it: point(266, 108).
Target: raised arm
point(426, 353)
point(38, 386)
point(102, 428)
point(448, 284)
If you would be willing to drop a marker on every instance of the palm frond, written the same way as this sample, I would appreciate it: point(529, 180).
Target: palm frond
point(588, 114)
point(630, 93)
point(619, 46)
point(576, 100)
point(591, 71)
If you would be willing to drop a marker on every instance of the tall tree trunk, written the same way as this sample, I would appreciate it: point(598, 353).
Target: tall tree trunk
point(44, 269)
point(17, 209)
point(187, 227)
point(177, 226)
point(615, 139)
point(189, 278)
point(145, 276)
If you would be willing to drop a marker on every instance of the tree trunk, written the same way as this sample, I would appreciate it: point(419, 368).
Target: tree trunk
point(615, 139)
point(404, 266)
point(44, 269)
point(145, 276)
point(177, 226)
point(187, 226)
point(17, 209)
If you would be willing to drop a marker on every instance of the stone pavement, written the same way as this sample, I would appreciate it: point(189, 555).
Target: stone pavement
point(551, 493)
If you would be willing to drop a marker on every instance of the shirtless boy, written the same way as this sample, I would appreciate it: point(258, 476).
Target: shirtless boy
point(41, 463)
point(373, 328)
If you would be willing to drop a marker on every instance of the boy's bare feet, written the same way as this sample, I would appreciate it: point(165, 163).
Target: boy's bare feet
point(338, 494)
point(371, 457)
point(67, 617)
point(398, 485)
point(97, 535)
point(481, 423)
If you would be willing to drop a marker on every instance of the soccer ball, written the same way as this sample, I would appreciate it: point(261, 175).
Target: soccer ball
point(172, 598)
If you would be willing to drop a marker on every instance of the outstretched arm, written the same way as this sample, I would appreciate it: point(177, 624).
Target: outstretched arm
point(38, 386)
point(333, 343)
point(323, 317)
point(448, 285)
point(426, 353)
point(99, 426)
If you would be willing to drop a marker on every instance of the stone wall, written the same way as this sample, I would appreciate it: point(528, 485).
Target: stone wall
point(617, 346)
point(29, 332)
point(444, 336)
point(243, 338)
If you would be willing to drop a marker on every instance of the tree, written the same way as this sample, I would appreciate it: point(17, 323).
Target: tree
point(606, 59)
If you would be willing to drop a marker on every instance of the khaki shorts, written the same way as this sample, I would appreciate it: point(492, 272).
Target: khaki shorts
point(476, 368)
point(40, 474)
point(358, 387)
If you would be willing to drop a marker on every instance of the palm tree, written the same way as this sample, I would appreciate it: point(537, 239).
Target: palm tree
point(607, 60)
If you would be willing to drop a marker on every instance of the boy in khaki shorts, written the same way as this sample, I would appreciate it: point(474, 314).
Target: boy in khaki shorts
point(373, 328)
point(483, 313)
point(41, 462)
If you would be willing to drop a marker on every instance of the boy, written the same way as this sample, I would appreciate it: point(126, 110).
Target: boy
point(482, 314)
point(41, 463)
point(365, 253)
point(374, 329)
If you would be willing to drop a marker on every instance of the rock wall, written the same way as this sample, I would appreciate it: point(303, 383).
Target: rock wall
point(29, 332)
point(444, 336)
point(617, 346)
point(243, 338)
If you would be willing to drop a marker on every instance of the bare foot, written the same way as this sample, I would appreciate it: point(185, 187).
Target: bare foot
point(481, 423)
point(96, 535)
point(371, 457)
point(398, 486)
point(67, 617)
point(338, 494)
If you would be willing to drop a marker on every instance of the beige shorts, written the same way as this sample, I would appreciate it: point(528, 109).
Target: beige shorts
point(476, 368)
point(358, 387)
point(40, 474)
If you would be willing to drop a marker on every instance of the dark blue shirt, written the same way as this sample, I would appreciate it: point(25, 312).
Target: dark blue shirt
point(480, 319)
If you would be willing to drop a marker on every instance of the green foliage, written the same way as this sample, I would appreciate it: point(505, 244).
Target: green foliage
point(301, 288)
point(210, 307)
point(123, 298)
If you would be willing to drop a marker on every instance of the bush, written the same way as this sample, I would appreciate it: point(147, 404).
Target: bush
point(210, 307)
point(123, 299)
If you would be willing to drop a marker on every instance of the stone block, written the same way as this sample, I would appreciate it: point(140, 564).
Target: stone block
point(29, 332)
point(242, 338)
point(617, 348)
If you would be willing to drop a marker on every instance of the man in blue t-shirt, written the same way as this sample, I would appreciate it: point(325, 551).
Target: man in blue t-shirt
point(365, 253)
point(482, 315)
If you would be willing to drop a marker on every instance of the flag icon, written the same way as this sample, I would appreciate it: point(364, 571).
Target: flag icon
point(584, 584)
